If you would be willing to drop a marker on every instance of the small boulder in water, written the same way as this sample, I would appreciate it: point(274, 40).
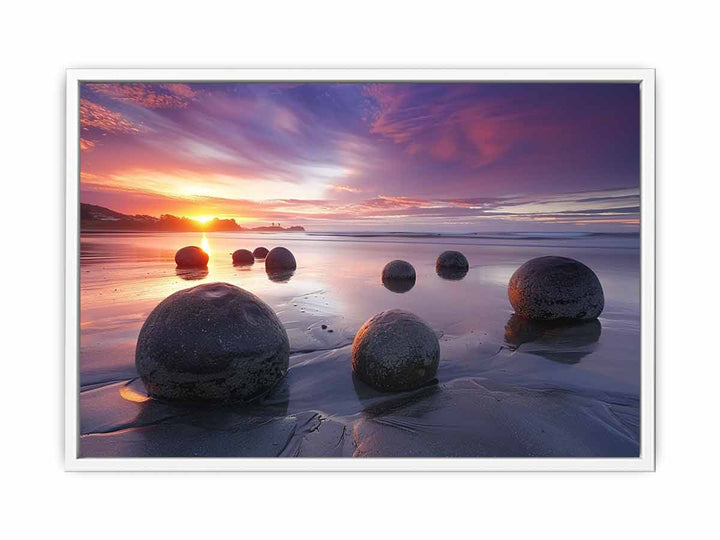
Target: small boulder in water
point(550, 288)
point(243, 257)
point(398, 276)
point(191, 257)
point(260, 252)
point(395, 351)
point(280, 260)
point(451, 265)
point(213, 342)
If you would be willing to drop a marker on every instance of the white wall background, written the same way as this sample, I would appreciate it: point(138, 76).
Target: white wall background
point(38, 41)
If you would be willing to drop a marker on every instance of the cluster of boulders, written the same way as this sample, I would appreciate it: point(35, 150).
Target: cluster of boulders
point(279, 262)
point(219, 342)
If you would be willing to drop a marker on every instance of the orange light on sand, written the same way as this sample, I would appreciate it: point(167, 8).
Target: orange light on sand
point(205, 244)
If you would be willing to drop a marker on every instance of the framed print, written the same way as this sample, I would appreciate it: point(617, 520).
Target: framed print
point(431, 269)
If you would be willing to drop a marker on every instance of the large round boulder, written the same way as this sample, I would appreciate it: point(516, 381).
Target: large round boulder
point(213, 342)
point(280, 260)
point(451, 265)
point(191, 257)
point(395, 351)
point(550, 288)
point(243, 257)
point(260, 252)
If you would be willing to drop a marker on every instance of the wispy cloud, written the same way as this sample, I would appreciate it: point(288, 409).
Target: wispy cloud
point(93, 115)
point(457, 128)
point(152, 96)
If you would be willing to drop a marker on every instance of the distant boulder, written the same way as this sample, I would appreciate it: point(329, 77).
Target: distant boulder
point(395, 351)
point(451, 265)
point(243, 257)
point(550, 288)
point(398, 276)
point(260, 252)
point(213, 342)
point(191, 257)
point(280, 260)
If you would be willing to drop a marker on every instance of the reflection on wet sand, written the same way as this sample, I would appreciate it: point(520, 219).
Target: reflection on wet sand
point(566, 342)
point(376, 403)
point(281, 277)
point(177, 429)
point(191, 274)
point(451, 274)
point(398, 285)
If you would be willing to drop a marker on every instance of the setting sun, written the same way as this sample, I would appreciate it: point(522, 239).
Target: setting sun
point(203, 219)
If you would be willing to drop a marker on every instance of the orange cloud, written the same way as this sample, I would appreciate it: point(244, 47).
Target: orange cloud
point(344, 188)
point(96, 116)
point(86, 145)
point(160, 96)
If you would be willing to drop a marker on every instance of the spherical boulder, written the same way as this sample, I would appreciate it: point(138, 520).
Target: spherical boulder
point(243, 257)
point(451, 265)
point(452, 259)
point(395, 351)
point(550, 288)
point(191, 257)
point(280, 260)
point(398, 269)
point(398, 276)
point(213, 342)
point(260, 252)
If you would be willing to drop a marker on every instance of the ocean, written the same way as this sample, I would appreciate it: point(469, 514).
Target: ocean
point(505, 388)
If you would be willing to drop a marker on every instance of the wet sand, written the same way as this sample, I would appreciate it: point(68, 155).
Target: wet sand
point(504, 387)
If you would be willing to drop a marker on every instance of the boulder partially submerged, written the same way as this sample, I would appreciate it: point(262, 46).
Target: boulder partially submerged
point(398, 276)
point(191, 257)
point(550, 288)
point(260, 252)
point(452, 265)
point(280, 260)
point(213, 342)
point(395, 351)
point(243, 257)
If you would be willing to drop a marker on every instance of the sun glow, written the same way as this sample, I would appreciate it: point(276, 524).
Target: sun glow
point(203, 219)
point(205, 244)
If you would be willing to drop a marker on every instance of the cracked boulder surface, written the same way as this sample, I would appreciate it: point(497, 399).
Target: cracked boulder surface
point(213, 342)
point(552, 288)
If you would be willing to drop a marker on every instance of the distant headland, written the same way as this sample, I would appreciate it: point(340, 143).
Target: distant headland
point(93, 217)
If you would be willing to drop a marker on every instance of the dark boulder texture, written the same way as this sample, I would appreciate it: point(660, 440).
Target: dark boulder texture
point(451, 265)
point(191, 257)
point(550, 288)
point(398, 276)
point(395, 351)
point(280, 260)
point(213, 342)
point(243, 257)
point(260, 252)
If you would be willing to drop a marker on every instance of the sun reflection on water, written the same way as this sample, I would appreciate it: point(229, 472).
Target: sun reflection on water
point(205, 244)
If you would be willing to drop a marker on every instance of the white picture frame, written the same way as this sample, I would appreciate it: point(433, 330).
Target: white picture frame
point(646, 460)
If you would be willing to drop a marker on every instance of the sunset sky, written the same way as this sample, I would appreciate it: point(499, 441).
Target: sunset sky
point(418, 157)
